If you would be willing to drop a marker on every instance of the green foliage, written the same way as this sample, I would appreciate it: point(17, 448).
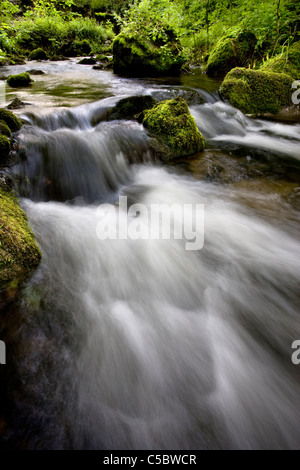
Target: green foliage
point(288, 61)
point(10, 119)
point(171, 122)
point(20, 80)
point(257, 92)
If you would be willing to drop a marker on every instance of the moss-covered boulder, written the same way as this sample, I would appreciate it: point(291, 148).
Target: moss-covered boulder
point(87, 61)
point(38, 54)
point(4, 129)
point(171, 123)
point(19, 253)
point(257, 92)
point(131, 107)
point(231, 52)
point(10, 119)
point(287, 62)
point(20, 80)
point(134, 56)
point(4, 148)
point(76, 48)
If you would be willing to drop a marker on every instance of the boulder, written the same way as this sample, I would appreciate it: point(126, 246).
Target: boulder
point(19, 253)
point(131, 107)
point(172, 124)
point(38, 54)
point(20, 80)
point(230, 52)
point(257, 92)
point(10, 119)
point(4, 148)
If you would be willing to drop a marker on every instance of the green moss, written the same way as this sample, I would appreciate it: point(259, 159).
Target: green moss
point(4, 148)
point(171, 122)
point(19, 253)
point(130, 108)
point(10, 119)
point(257, 92)
point(20, 80)
point(4, 129)
point(136, 56)
point(230, 52)
point(76, 48)
point(38, 54)
point(288, 62)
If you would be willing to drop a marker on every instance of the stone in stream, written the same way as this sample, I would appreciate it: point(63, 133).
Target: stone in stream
point(20, 80)
point(256, 92)
point(19, 252)
point(16, 103)
point(87, 61)
point(38, 54)
point(131, 107)
point(174, 129)
point(10, 119)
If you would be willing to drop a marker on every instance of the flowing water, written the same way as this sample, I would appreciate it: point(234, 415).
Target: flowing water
point(141, 343)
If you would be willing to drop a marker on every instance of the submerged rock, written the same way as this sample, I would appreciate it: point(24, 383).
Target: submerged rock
point(16, 103)
point(20, 80)
point(257, 92)
point(131, 107)
point(231, 52)
point(35, 72)
point(19, 252)
point(137, 56)
point(171, 123)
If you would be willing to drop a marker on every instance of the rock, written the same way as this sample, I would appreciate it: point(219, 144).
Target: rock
point(20, 80)
point(10, 119)
point(35, 72)
point(19, 253)
point(16, 104)
point(38, 54)
point(4, 129)
point(256, 92)
point(287, 62)
point(172, 124)
point(130, 108)
point(87, 61)
point(4, 148)
point(76, 48)
point(136, 56)
point(230, 52)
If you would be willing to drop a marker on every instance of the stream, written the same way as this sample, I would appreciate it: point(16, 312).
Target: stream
point(140, 343)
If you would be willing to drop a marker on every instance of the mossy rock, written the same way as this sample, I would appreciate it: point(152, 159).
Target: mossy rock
point(4, 148)
point(20, 80)
point(19, 253)
point(76, 48)
point(4, 129)
point(230, 52)
point(87, 61)
point(38, 54)
point(171, 122)
point(131, 107)
point(135, 56)
point(10, 119)
point(288, 62)
point(256, 92)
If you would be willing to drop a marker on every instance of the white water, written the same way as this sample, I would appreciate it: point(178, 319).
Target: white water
point(140, 344)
